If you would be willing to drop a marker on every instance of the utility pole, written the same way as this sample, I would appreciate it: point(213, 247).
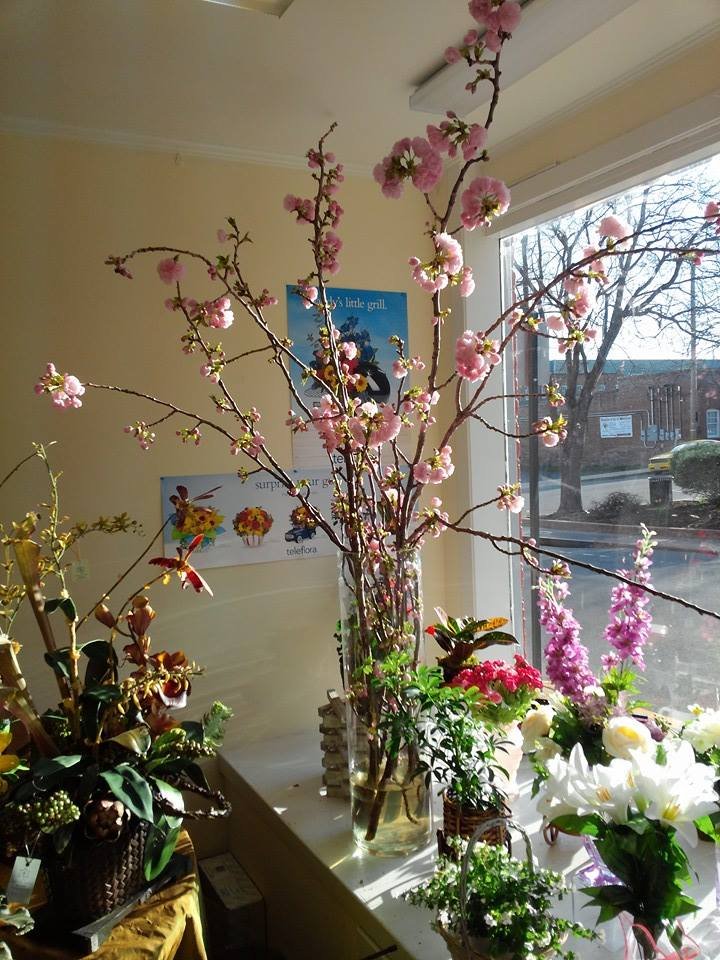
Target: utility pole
point(693, 359)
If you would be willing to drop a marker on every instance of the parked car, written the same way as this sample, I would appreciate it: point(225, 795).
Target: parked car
point(662, 462)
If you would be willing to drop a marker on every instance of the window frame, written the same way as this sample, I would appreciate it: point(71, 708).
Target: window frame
point(680, 138)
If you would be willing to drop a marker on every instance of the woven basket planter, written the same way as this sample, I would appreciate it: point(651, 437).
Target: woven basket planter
point(98, 876)
point(459, 821)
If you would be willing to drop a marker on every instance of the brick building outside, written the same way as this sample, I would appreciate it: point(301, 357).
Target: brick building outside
point(641, 408)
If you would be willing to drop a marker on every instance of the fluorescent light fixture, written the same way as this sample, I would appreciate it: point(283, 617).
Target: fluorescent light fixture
point(547, 28)
point(276, 8)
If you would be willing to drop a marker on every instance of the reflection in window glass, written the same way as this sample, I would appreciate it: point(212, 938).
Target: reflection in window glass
point(642, 404)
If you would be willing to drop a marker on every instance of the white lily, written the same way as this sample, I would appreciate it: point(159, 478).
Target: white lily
point(575, 787)
point(703, 732)
point(676, 792)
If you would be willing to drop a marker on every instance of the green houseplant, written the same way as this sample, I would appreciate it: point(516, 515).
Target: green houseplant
point(95, 785)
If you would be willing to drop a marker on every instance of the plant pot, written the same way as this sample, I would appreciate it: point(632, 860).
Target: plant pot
point(94, 877)
point(460, 821)
point(479, 947)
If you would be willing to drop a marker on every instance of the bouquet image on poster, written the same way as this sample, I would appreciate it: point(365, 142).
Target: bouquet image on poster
point(366, 318)
point(244, 522)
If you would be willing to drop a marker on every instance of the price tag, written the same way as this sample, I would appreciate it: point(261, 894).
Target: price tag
point(22, 880)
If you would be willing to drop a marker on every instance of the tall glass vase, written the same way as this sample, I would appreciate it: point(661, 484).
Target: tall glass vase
point(381, 615)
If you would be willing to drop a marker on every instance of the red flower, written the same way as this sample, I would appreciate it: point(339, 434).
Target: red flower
point(187, 573)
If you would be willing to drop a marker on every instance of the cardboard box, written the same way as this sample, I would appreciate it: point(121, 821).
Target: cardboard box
point(235, 910)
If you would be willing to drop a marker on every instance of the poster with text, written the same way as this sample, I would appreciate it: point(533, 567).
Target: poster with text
point(367, 317)
point(251, 522)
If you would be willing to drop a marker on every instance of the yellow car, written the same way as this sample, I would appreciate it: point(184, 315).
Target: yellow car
point(662, 462)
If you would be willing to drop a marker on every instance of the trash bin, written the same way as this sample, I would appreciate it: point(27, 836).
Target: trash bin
point(661, 489)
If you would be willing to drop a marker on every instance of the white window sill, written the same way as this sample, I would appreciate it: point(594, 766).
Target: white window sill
point(284, 778)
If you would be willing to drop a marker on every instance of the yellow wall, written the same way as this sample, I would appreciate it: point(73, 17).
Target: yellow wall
point(266, 637)
point(691, 75)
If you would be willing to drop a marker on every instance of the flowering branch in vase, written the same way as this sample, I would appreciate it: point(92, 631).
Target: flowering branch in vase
point(380, 455)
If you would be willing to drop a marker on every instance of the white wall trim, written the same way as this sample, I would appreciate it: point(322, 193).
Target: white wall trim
point(32, 127)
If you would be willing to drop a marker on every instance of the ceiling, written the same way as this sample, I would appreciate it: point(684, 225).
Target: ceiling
point(206, 77)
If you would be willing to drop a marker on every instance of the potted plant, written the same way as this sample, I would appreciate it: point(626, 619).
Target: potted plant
point(461, 637)
point(95, 786)
point(505, 694)
point(455, 748)
point(495, 907)
point(636, 810)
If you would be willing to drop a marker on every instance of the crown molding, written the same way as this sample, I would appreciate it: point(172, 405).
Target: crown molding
point(33, 127)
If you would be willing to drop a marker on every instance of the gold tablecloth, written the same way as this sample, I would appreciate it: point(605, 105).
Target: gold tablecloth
point(168, 926)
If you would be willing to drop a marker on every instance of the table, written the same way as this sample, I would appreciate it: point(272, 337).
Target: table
point(168, 926)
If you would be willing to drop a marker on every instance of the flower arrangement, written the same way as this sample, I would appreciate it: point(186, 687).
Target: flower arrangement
point(461, 637)
point(112, 758)
point(301, 517)
point(252, 523)
point(384, 456)
point(508, 910)
point(702, 732)
point(506, 691)
point(191, 519)
point(596, 713)
point(636, 810)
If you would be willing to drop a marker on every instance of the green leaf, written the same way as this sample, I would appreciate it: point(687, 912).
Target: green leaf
point(170, 793)
point(132, 789)
point(44, 768)
point(136, 740)
point(590, 825)
point(160, 846)
point(69, 609)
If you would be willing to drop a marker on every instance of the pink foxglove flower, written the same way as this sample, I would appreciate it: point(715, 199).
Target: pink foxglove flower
point(629, 628)
point(171, 270)
point(566, 657)
point(485, 199)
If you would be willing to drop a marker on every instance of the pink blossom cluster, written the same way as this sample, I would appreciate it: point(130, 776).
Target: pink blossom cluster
point(581, 296)
point(551, 432)
point(189, 435)
point(435, 469)
point(296, 422)
point(596, 266)
point(498, 681)
point(249, 443)
point(64, 389)
point(329, 423)
point(330, 246)
point(553, 395)
point(374, 424)
point(436, 520)
point(454, 133)
point(566, 657)
point(403, 365)
point(509, 498)
point(119, 265)
point(485, 199)
point(142, 432)
point(615, 229)
point(211, 313)
point(412, 159)
point(446, 267)
point(308, 292)
point(264, 299)
point(500, 16)
point(712, 215)
point(629, 628)
point(419, 401)
point(171, 270)
point(303, 208)
point(475, 355)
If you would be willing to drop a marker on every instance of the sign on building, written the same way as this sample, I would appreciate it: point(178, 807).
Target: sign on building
point(612, 427)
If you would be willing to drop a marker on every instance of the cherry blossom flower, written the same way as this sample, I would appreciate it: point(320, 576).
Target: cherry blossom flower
point(435, 469)
point(303, 208)
point(473, 355)
point(171, 270)
point(509, 498)
point(467, 282)
point(454, 133)
point(329, 423)
point(373, 424)
point(452, 55)
point(142, 432)
point(614, 228)
point(414, 159)
point(496, 15)
point(555, 323)
point(64, 389)
point(485, 199)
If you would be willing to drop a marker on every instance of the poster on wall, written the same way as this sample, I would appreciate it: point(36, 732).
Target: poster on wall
point(368, 318)
point(251, 522)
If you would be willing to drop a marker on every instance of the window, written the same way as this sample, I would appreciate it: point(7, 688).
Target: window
point(712, 424)
point(632, 396)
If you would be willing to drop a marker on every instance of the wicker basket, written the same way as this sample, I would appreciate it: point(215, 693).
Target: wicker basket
point(98, 876)
point(460, 821)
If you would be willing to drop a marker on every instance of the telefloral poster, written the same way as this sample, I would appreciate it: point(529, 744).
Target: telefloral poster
point(244, 522)
point(366, 317)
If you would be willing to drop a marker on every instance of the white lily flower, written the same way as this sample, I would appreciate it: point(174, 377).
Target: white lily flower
point(676, 792)
point(575, 787)
point(703, 732)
